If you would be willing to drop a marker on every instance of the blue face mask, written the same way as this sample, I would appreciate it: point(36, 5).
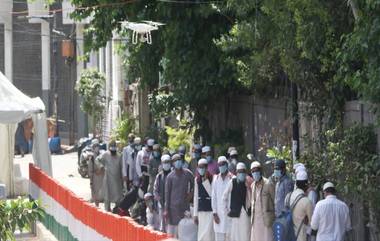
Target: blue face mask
point(277, 173)
point(223, 169)
point(166, 166)
point(178, 164)
point(209, 159)
point(256, 176)
point(156, 154)
point(241, 177)
point(196, 155)
point(202, 171)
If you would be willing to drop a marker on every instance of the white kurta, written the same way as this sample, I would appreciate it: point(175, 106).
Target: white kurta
point(153, 219)
point(112, 182)
point(205, 219)
point(219, 186)
point(259, 231)
point(240, 227)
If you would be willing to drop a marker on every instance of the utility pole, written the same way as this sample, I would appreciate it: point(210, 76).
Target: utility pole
point(295, 122)
point(55, 81)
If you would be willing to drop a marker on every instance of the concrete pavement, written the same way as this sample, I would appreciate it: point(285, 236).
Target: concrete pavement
point(64, 170)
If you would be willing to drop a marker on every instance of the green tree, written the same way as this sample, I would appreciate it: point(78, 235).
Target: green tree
point(90, 87)
point(359, 57)
point(276, 42)
point(183, 55)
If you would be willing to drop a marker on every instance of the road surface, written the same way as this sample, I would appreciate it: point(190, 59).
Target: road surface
point(64, 170)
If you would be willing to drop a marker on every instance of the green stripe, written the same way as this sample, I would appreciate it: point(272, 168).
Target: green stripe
point(61, 232)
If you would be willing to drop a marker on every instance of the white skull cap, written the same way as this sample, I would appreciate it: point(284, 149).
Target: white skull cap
point(222, 159)
point(298, 165)
point(206, 149)
point(148, 195)
point(301, 176)
point(255, 164)
point(137, 140)
point(230, 149)
point(233, 152)
point(241, 166)
point(202, 161)
point(327, 185)
point(150, 142)
point(165, 157)
point(300, 169)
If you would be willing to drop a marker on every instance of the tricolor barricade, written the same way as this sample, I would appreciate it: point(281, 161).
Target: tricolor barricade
point(71, 218)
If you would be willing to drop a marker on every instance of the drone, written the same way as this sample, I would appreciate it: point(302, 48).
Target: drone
point(142, 30)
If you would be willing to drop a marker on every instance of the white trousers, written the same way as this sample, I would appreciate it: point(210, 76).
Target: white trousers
point(205, 226)
point(221, 237)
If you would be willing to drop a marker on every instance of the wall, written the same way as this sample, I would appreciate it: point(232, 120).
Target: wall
point(263, 122)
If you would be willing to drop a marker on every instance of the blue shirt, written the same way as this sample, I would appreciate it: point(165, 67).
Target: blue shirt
point(283, 186)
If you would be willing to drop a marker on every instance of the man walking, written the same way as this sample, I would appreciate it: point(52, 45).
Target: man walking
point(262, 205)
point(142, 164)
point(195, 156)
point(159, 188)
point(237, 200)
point(203, 216)
point(127, 156)
point(331, 219)
point(178, 193)
point(154, 165)
point(233, 160)
point(212, 166)
point(219, 185)
point(95, 173)
point(110, 162)
point(284, 185)
point(300, 205)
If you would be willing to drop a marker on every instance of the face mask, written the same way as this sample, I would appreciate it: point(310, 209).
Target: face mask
point(202, 171)
point(196, 155)
point(185, 165)
point(178, 164)
point(156, 154)
point(241, 177)
point(256, 176)
point(223, 169)
point(166, 166)
point(209, 159)
point(277, 173)
point(113, 153)
point(138, 147)
point(149, 203)
point(233, 160)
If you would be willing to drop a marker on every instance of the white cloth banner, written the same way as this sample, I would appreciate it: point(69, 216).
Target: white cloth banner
point(41, 153)
point(7, 143)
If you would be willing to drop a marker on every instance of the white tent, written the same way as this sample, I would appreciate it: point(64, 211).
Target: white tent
point(15, 107)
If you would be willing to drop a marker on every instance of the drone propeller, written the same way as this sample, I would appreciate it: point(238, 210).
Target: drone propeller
point(154, 23)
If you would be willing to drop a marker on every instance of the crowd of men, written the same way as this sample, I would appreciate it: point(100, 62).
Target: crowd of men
point(230, 201)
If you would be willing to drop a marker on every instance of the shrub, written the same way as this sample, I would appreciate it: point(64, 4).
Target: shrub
point(17, 214)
